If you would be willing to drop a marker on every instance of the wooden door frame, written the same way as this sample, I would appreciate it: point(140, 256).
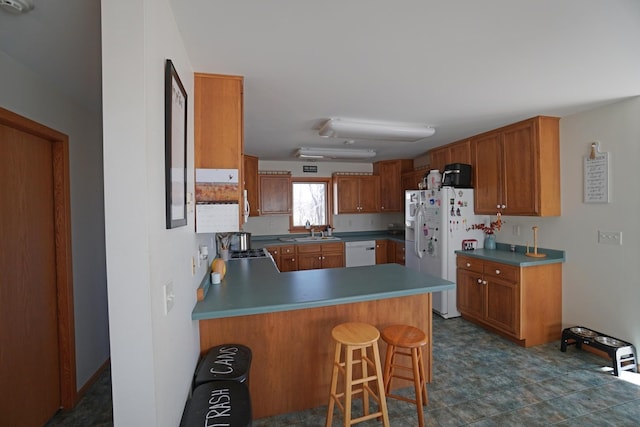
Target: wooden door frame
point(62, 235)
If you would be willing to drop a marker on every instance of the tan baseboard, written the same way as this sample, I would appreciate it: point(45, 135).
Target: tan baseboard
point(83, 390)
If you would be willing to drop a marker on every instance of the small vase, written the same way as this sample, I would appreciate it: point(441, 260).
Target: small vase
point(224, 254)
point(490, 241)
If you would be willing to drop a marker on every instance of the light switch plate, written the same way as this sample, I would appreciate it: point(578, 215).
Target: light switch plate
point(610, 237)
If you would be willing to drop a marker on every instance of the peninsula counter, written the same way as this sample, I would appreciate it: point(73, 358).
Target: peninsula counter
point(286, 319)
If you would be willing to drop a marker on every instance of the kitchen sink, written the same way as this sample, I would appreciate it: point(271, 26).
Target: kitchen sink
point(316, 239)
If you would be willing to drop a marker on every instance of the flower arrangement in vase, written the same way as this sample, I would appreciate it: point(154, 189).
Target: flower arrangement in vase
point(489, 231)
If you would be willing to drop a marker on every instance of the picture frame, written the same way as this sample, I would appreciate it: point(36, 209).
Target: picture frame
point(175, 148)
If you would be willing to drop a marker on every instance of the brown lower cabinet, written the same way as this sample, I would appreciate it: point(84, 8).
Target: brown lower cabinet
point(330, 255)
point(381, 251)
point(523, 304)
point(395, 252)
point(285, 257)
point(308, 256)
point(323, 255)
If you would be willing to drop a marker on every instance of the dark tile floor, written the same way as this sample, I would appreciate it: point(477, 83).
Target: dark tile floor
point(483, 380)
point(479, 379)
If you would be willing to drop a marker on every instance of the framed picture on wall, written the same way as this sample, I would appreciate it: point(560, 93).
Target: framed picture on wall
point(175, 130)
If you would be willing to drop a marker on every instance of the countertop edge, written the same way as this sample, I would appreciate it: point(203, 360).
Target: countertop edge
point(315, 304)
point(518, 258)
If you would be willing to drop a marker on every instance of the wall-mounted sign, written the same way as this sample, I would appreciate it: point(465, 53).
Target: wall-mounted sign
point(596, 176)
point(309, 169)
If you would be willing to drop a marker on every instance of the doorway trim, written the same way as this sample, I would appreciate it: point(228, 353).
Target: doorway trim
point(62, 233)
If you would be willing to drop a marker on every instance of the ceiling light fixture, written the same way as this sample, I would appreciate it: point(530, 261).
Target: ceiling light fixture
point(345, 128)
point(334, 153)
point(16, 6)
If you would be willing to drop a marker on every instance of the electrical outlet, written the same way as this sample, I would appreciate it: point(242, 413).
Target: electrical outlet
point(169, 297)
point(193, 266)
point(516, 229)
point(610, 237)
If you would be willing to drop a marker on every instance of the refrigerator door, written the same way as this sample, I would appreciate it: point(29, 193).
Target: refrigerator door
point(411, 205)
point(435, 244)
point(458, 218)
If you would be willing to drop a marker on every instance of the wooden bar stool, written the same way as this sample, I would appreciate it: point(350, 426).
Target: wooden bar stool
point(354, 337)
point(403, 340)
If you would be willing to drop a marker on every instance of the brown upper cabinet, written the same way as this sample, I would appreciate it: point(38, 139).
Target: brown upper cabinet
point(356, 193)
point(251, 184)
point(410, 180)
point(218, 123)
point(517, 169)
point(275, 194)
point(456, 152)
point(390, 173)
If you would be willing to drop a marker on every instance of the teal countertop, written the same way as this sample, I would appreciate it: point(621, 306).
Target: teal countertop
point(503, 254)
point(254, 286)
point(262, 241)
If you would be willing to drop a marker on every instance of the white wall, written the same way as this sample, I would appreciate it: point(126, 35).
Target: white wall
point(153, 355)
point(27, 94)
point(279, 224)
point(600, 282)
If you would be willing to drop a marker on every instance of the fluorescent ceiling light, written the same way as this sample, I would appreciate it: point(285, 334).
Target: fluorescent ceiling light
point(16, 6)
point(334, 153)
point(344, 128)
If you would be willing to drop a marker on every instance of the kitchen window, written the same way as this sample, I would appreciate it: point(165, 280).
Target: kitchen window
point(311, 200)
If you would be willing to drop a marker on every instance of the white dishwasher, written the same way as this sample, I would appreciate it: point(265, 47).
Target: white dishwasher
point(360, 253)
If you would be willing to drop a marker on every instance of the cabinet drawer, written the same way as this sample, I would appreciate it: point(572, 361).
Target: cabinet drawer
point(472, 264)
point(332, 247)
point(287, 249)
point(309, 249)
point(503, 271)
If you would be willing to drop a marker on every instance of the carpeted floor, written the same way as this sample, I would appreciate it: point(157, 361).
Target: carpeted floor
point(479, 379)
point(95, 409)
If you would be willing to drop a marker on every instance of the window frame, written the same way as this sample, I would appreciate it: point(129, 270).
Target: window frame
point(329, 205)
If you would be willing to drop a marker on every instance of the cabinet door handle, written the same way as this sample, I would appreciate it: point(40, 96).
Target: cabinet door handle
point(484, 282)
point(479, 281)
point(468, 264)
point(497, 271)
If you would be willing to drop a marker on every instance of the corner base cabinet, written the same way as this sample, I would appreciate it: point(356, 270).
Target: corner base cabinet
point(523, 304)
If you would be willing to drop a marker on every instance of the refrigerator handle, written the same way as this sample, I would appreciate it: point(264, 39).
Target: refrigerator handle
point(418, 231)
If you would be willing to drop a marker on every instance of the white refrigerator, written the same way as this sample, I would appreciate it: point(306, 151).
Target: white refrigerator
point(436, 224)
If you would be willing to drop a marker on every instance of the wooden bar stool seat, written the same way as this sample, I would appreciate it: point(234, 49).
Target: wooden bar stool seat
point(361, 338)
point(404, 340)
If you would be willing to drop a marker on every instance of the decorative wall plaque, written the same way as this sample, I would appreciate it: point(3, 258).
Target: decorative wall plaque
point(596, 175)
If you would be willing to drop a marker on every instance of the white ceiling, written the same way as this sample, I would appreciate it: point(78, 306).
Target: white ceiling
point(462, 66)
